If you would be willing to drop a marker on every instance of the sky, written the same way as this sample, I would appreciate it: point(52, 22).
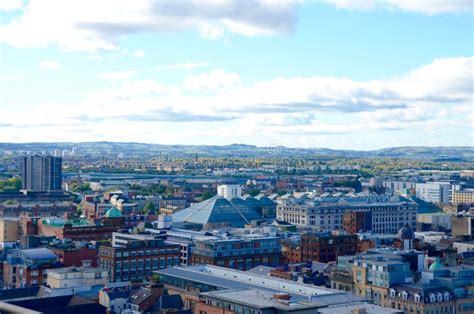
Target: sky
point(348, 74)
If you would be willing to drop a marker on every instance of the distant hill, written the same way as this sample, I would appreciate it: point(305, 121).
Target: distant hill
point(442, 153)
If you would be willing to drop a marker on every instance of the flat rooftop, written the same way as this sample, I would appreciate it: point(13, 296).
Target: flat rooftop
point(231, 279)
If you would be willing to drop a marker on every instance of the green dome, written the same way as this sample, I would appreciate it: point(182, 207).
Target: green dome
point(437, 265)
point(113, 213)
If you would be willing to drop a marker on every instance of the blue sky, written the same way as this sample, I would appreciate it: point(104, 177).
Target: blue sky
point(338, 74)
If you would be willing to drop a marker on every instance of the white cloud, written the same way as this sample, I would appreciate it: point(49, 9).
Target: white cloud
point(50, 65)
point(183, 66)
point(305, 111)
point(214, 80)
point(213, 32)
point(90, 25)
point(117, 75)
point(420, 6)
point(10, 5)
point(139, 54)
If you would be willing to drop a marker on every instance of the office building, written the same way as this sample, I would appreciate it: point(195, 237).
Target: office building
point(197, 283)
point(136, 259)
point(388, 213)
point(41, 173)
point(434, 192)
point(242, 252)
point(235, 301)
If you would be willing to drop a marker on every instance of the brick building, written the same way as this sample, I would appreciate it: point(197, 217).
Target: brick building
point(357, 221)
point(291, 252)
point(238, 253)
point(72, 256)
point(326, 247)
point(81, 229)
point(26, 268)
point(137, 259)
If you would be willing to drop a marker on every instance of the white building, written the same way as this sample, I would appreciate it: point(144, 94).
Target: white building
point(434, 192)
point(229, 191)
point(388, 213)
point(77, 276)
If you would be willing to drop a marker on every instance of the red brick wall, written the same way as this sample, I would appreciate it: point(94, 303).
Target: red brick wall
point(75, 257)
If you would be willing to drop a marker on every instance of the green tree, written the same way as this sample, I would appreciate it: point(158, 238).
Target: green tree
point(254, 192)
point(149, 207)
point(207, 195)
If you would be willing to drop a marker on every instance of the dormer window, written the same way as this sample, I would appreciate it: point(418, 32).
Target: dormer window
point(440, 297)
point(446, 296)
point(417, 297)
point(404, 295)
point(432, 297)
point(392, 293)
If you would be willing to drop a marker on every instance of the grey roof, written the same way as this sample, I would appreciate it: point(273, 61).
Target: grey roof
point(262, 270)
point(217, 210)
point(194, 274)
point(39, 253)
point(263, 298)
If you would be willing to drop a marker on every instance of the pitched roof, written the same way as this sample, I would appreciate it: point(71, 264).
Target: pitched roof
point(217, 210)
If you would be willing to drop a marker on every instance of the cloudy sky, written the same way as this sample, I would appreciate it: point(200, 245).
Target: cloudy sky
point(355, 74)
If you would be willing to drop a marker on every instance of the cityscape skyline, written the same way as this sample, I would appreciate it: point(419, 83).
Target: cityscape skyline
point(340, 75)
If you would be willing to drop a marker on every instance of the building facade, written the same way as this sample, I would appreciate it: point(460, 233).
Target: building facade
point(388, 213)
point(434, 192)
point(137, 259)
point(41, 173)
point(238, 253)
point(77, 276)
point(25, 268)
point(464, 196)
point(8, 231)
point(326, 247)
